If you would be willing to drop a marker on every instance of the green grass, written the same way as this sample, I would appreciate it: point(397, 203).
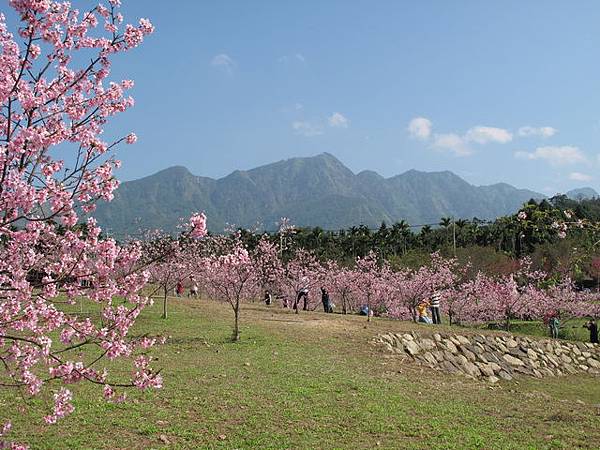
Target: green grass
point(309, 381)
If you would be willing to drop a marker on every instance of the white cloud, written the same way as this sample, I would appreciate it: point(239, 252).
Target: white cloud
point(484, 135)
point(307, 129)
point(337, 120)
point(452, 142)
point(224, 62)
point(544, 132)
point(556, 156)
point(296, 57)
point(420, 128)
point(578, 176)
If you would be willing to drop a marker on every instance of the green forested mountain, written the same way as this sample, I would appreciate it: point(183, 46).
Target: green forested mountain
point(315, 191)
point(584, 193)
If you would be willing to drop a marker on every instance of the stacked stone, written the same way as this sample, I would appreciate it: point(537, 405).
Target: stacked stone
point(495, 357)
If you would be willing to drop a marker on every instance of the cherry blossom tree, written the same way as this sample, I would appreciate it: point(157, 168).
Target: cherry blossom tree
point(232, 278)
point(49, 107)
point(268, 265)
point(342, 285)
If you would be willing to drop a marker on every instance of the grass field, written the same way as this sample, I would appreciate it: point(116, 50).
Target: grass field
point(309, 381)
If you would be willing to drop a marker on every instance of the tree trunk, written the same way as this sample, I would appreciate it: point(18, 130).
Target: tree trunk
point(236, 323)
point(164, 315)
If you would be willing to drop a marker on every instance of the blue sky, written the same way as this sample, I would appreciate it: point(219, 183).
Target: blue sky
point(502, 91)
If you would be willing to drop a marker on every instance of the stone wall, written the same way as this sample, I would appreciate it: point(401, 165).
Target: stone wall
point(494, 357)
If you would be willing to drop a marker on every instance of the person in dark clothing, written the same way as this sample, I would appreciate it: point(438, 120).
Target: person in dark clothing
point(593, 327)
point(268, 297)
point(302, 294)
point(326, 301)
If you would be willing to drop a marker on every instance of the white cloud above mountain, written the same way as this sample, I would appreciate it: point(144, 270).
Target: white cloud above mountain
point(338, 120)
point(578, 176)
point(544, 132)
point(483, 135)
point(224, 62)
point(556, 156)
point(420, 128)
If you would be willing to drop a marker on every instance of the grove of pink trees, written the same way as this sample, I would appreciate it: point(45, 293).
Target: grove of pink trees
point(239, 275)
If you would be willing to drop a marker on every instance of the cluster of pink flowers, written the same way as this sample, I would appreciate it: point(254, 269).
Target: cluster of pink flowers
point(48, 254)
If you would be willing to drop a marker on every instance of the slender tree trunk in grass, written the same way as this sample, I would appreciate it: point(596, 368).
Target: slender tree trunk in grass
point(236, 323)
point(164, 315)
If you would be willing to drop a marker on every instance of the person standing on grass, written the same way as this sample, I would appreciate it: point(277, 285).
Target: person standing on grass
point(268, 297)
point(302, 294)
point(326, 301)
point(193, 288)
point(554, 324)
point(179, 289)
point(435, 308)
point(593, 327)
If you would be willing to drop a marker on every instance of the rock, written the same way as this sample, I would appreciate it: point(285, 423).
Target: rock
point(566, 359)
point(408, 337)
point(537, 374)
point(437, 337)
point(553, 361)
point(492, 379)
point(532, 355)
point(490, 357)
point(449, 367)
point(449, 356)
point(387, 338)
point(504, 375)
point(486, 370)
point(429, 358)
point(517, 353)
point(427, 344)
point(450, 346)
point(513, 361)
point(495, 367)
point(460, 359)
point(438, 355)
point(411, 347)
point(164, 439)
point(586, 354)
point(463, 340)
point(583, 367)
point(524, 370)
point(569, 368)
point(480, 339)
point(511, 343)
point(469, 355)
point(502, 347)
point(471, 369)
point(593, 363)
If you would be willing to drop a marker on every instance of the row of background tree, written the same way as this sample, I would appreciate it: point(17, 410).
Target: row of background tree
point(490, 246)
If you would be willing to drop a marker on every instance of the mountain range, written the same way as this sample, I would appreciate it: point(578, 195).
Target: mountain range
point(312, 191)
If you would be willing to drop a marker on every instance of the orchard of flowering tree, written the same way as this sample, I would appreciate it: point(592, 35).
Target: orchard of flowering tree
point(56, 160)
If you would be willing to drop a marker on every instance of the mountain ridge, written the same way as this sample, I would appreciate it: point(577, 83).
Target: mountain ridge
point(311, 191)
